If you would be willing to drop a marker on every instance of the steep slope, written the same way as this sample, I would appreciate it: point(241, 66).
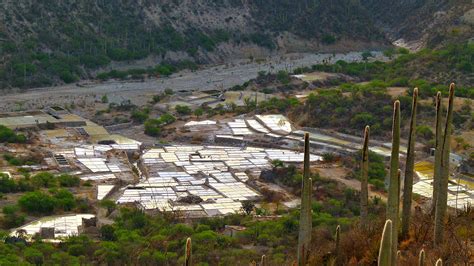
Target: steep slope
point(423, 23)
point(48, 42)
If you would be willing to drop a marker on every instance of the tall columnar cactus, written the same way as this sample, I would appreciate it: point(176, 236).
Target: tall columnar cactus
point(338, 240)
point(442, 198)
point(410, 165)
point(188, 260)
point(385, 251)
point(364, 179)
point(437, 155)
point(304, 236)
point(421, 258)
point(439, 262)
point(393, 201)
point(263, 261)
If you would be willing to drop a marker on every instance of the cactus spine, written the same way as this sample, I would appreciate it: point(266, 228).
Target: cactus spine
point(410, 164)
point(421, 258)
point(263, 261)
point(442, 198)
point(304, 236)
point(439, 262)
point(188, 256)
point(385, 251)
point(364, 179)
point(393, 201)
point(437, 155)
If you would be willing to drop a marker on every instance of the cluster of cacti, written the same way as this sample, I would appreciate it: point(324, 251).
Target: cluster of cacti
point(364, 179)
point(388, 254)
point(385, 251)
point(393, 201)
point(442, 196)
point(305, 227)
point(409, 167)
point(188, 253)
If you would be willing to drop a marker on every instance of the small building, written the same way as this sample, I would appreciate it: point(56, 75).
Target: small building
point(46, 232)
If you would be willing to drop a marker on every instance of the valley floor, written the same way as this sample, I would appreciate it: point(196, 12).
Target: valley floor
point(209, 78)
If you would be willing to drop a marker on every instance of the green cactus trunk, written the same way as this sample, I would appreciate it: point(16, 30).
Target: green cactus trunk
point(305, 227)
point(437, 155)
point(410, 165)
point(385, 251)
point(393, 201)
point(421, 258)
point(364, 179)
point(442, 199)
point(188, 260)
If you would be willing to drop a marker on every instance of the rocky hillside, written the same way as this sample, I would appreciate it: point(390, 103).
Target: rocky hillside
point(51, 42)
point(423, 23)
point(46, 42)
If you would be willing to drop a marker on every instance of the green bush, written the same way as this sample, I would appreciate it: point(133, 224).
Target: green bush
point(283, 77)
point(33, 256)
point(11, 218)
point(425, 132)
point(44, 180)
point(66, 180)
point(139, 116)
point(183, 109)
point(9, 136)
point(167, 119)
point(7, 184)
point(328, 39)
point(153, 127)
point(37, 203)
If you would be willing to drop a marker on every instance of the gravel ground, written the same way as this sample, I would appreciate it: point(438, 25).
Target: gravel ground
point(210, 77)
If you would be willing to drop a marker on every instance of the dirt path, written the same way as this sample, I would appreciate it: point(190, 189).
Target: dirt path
point(339, 174)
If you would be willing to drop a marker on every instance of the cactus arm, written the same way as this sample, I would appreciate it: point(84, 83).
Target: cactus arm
point(437, 156)
point(421, 258)
point(393, 201)
point(385, 251)
point(439, 262)
point(305, 227)
point(188, 256)
point(338, 240)
point(263, 261)
point(442, 199)
point(409, 166)
point(364, 189)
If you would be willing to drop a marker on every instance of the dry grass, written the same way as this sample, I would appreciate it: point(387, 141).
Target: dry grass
point(397, 91)
point(359, 247)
